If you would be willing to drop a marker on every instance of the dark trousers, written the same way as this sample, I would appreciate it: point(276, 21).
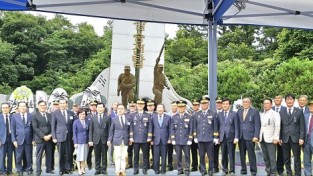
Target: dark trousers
point(130, 155)
point(228, 155)
point(89, 156)
point(307, 156)
point(296, 150)
point(194, 155)
point(52, 154)
point(47, 148)
point(159, 150)
point(101, 159)
point(206, 148)
point(280, 159)
point(65, 155)
point(6, 156)
point(144, 149)
point(269, 155)
point(179, 154)
point(24, 150)
point(170, 149)
point(216, 156)
point(244, 146)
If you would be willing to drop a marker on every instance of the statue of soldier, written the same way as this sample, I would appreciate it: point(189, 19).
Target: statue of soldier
point(126, 85)
point(159, 81)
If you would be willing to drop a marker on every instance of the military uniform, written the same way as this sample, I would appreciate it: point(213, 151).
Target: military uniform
point(140, 132)
point(194, 146)
point(181, 136)
point(130, 147)
point(205, 130)
point(150, 147)
point(217, 146)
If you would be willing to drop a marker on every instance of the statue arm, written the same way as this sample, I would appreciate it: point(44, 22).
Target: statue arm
point(158, 59)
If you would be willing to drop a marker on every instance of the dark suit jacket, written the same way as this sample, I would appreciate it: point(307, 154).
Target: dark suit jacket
point(118, 133)
point(161, 134)
point(250, 127)
point(41, 127)
point(228, 127)
point(294, 128)
point(99, 131)
point(61, 130)
point(21, 132)
point(81, 134)
point(3, 128)
point(307, 123)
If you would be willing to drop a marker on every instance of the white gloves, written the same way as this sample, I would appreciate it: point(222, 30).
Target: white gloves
point(215, 141)
point(196, 140)
point(173, 143)
point(189, 143)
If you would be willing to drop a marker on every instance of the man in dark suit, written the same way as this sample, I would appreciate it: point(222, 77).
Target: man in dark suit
point(112, 114)
point(249, 120)
point(62, 135)
point(308, 146)
point(141, 135)
point(119, 138)
point(22, 138)
point(206, 134)
point(6, 147)
point(303, 101)
point(279, 157)
point(92, 113)
point(161, 124)
point(228, 136)
point(98, 137)
point(292, 134)
point(42, 132)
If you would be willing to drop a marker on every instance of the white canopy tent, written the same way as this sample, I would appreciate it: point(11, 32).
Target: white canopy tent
point(280, 13)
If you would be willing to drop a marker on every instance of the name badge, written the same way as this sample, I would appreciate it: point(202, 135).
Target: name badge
point(145, 118)
point(210, 117)
point(186, 120)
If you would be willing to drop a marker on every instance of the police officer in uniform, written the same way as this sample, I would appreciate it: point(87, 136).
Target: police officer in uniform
point(219, 109)
point(140, 136)
point(205, 134)
point(181, 136)
point(151, 111)
point(132, 109)
point(194, 146)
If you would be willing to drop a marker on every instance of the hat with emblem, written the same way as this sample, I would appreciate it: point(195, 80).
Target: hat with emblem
point(150, 103)
point(218, 100)
point(195, 102)
point(132, 103)
point(205, 99)
point(141, 101)
point(181, 103)
point(93, 102)
point(55, 102)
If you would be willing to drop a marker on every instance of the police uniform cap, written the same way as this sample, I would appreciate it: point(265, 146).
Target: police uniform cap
point(93, 102)
point(181, 103)
point(132, 103)
point(195, 102)
point(141, 101)
point(150, 103)
point(205, 99)
point(55, 102)
point(218, 100)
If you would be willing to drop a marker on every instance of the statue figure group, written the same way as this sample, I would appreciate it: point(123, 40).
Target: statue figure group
point(127, 83)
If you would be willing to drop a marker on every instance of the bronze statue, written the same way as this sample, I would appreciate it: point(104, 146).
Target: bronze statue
point(159, 81)
point(126, 85)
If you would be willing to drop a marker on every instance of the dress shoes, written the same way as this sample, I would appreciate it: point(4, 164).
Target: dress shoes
point(194, 169)
point(170, 168)
point(144, 172)
point(180, 172)
point(136, 172)
point(50, 172)
point(97, 172)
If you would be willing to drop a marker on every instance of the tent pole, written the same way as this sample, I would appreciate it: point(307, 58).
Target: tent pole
point(212, 64)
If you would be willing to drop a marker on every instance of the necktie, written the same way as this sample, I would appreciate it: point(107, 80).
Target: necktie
point(23, 118)
point(310, 125)
point(225, 115)
point(100, 119)
point(7, 124)
point(277, 109)
point(122, 121)
point(244, 114)
point(63, 112)
point(44, 115)
point(160, 120)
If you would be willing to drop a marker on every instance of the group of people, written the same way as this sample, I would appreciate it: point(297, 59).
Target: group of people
point(148, 127)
